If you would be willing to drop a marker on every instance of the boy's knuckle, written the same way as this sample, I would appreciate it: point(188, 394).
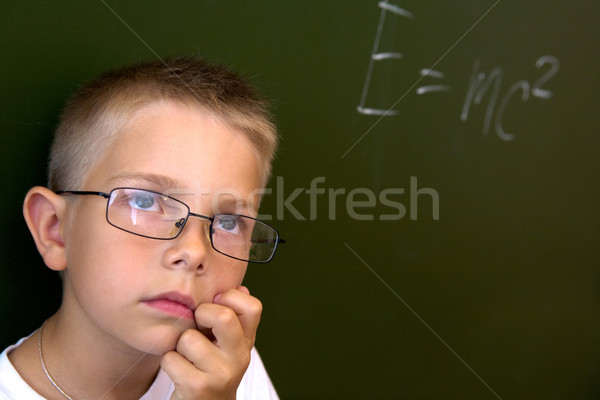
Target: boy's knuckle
point(168, 359)
point(256, 307)
point(226, 317)
point(188, 337)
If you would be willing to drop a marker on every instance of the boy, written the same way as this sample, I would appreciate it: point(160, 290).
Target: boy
point(154, 183)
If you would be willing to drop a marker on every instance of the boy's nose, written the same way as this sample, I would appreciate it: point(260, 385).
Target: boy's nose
point(190, 249)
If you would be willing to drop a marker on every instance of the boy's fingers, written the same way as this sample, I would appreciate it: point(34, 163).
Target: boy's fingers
point(244, 289)
point(201, 352)
point(195, 347)
point(179, 369)
point(247, 308)
point(224, 325)
point(209, 363)
point(199, 370)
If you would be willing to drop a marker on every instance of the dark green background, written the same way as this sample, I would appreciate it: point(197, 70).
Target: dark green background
point(507, 279)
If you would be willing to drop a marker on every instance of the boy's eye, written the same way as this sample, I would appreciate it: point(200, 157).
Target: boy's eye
point(227, 223)
point(142, 201)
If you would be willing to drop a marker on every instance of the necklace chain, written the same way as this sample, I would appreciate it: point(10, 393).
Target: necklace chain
point(44, 364)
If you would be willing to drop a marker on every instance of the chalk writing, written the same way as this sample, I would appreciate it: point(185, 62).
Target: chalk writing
point(377, 56)
point(432, 88)
point(480, 84)
point(385, 56)
point(385, 6)
point(432, 73)
point(554, 67)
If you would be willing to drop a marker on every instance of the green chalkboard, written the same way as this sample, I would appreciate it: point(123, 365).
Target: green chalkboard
point(437, 181)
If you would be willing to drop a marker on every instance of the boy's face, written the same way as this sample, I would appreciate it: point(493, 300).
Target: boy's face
point(112, 275)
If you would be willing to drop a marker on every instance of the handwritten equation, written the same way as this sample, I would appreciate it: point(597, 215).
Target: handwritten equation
point(480, 84)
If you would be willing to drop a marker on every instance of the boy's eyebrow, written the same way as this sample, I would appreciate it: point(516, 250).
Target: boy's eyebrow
point(164, 182)
point(248, 205)
point(161, 181)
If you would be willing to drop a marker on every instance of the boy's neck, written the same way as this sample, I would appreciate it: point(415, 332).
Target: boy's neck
point(82, 365)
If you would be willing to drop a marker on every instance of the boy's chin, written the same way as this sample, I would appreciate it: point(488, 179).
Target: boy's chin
point(160, 347)
point(163, 341)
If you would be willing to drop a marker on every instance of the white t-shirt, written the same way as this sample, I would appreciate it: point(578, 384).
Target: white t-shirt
point(255, 384)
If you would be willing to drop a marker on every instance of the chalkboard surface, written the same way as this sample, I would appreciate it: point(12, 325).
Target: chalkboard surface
point(437, 182)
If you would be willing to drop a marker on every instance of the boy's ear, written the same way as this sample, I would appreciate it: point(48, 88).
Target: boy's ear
point(45, 213)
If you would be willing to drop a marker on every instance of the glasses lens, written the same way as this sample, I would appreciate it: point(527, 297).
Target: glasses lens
point(146, 213)
point(243, 237)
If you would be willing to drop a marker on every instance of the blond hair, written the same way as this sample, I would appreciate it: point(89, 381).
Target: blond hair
point(100, 109)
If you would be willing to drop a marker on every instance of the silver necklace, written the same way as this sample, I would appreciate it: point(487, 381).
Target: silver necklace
point(44, 364)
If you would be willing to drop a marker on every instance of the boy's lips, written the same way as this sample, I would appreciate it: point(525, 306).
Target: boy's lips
point(174, 303)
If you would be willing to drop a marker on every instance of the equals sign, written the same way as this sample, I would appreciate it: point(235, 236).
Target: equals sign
point(432, 88)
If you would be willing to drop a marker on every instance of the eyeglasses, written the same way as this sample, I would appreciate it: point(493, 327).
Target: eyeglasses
point(157, 216)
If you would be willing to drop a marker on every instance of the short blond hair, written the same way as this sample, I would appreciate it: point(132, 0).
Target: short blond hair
point(99, 110)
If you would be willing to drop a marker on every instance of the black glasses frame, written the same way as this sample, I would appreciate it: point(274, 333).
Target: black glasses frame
point(179, 224)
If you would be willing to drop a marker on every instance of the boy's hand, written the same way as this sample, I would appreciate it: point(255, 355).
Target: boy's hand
point(204, 368)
